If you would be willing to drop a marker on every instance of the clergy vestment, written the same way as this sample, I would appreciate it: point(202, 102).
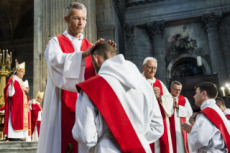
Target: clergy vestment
point(180, 115)
point(95, 134)
point(66, 68)
point(164, 144)
point(36, 117)
point(16, 111)
point(227, 114)
point(205, 136)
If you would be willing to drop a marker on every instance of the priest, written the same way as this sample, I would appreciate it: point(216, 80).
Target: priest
point(165, 102)
point(211, 130)
point(68, 61)
point(116, 110)
point(181, 114)
point(16, 106)
point(221, 104)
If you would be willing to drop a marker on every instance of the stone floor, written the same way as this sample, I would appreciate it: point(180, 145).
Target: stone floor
point(18, 147)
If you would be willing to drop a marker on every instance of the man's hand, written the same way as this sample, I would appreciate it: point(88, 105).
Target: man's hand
point(89, 50)
point(112, 43)
point(187, 127)
point(157, 92)
point(175, 104)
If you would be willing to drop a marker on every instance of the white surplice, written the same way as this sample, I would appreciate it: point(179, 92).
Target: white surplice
point(138, 100)
point(204, 134)
point(167, 104)
point(11, 132)
point(227, 112)
point(64, 72)
point(183, 111)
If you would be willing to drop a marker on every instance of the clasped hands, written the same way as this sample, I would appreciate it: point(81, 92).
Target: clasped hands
point(89, 50)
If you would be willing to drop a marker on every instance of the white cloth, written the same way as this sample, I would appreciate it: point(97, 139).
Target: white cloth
point(227, 112)
point(167, 104)
point(11, 132)
point(204, 133)
point(64, 72)
point(183, 111)
point(138, 100)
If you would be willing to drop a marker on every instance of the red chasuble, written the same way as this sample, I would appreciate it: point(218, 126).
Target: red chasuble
point(164, 142)
point(181, 102)
point(215, 118)
point(34, 116)
point(16, 107)
point(113, 112)
point(69, 98)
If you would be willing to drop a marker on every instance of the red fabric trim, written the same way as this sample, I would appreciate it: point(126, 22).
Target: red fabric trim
point(34, 115)
point(38, 127)
point(3, 107)
point(16, 107)
point(164, 142)
point(215, 118)
point(69, 98)
point(227, 116)
point(113, 113)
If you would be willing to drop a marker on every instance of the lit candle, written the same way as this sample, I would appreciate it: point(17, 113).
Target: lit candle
point(3, 54)
point(7, 53)
point(228, 87)
point(10, 56)
point(223, 92)
point(16, 63)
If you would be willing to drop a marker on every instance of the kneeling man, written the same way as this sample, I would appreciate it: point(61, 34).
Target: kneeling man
point(117, 110)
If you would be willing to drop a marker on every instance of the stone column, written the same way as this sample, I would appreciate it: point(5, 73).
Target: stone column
point(49, 22)
point(211, 24)
point(155, 31)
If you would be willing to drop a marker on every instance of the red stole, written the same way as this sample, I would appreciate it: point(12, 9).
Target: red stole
point(34, 115)
point(164, 142)
point(181, 102)
point(215, 118)
point(16, 107)
point(69, 98)
point(227, 116)
point(113, 112)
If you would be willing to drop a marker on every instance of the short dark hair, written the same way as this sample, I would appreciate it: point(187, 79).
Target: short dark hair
point(176, 82)
point(210, 89)
point(220, 101)
point(105, 50)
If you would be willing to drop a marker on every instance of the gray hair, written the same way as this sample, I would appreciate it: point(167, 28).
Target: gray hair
point(149, 59)
point(176, 82)
point(74, 5)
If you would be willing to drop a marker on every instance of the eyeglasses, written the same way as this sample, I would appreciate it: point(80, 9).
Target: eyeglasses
point(177, 89)
point(151, 68)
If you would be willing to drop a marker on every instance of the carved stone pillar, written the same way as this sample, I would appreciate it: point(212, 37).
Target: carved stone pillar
point(49, 22)
point(155, 31)
point(130, 36)
point(211, 24)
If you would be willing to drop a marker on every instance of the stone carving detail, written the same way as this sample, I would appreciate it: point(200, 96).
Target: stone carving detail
point(155, 28)
point(211, 21)
point(129, 30)
point(181, 44)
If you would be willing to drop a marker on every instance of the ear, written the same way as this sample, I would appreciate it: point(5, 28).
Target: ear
point(143, 67)
point(66, 19)
point(95, 57)
point(204, 93)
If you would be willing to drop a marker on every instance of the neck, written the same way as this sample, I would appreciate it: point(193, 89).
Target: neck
point(75, 35)
point(223, 109)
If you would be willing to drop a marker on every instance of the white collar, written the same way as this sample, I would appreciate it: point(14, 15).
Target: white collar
point(151, 81)
point(71, 38)
point(207, 103)
point(18, 79)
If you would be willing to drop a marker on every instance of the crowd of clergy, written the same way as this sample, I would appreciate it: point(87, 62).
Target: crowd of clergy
point(96, 101)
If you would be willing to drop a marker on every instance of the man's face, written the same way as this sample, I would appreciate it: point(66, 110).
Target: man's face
point(176, 90)
point(76, 21)
point(150, 69)
point(198, 97)
point(20, 74)
point(39, 99)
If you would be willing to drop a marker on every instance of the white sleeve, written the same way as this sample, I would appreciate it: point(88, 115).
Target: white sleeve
point(167, 101)
point(156, 128)
point(202, 132)
point(11, 91)
point(186, 110)
point(66, 70)
point(85, 130)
